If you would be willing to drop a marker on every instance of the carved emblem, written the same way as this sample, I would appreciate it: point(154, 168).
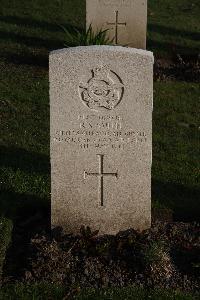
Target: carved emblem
point(105, 89)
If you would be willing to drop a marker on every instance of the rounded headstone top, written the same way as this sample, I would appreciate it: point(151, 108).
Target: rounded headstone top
point(104, 48)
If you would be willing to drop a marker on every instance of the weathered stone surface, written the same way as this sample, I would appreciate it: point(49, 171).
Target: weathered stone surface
point(101, 138)
point(125, 19)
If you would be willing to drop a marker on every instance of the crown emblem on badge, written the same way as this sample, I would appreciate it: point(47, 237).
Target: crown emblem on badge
point(103, 90)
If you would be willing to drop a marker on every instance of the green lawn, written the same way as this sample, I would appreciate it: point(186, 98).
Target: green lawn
point(174, 26)
point(47, 292)
point(176, 151)
point(28, 31)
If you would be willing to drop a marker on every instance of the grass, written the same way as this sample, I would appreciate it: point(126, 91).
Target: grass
point(5, 238)
point(86, 38)
point(133, 293)
point(45, 292)
point(32, 292)
point(176, 149)
point(28, 31)
point(173, 26)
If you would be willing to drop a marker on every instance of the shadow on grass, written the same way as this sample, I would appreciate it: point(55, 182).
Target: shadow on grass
point(33, 23)
point(31, 41)
point(24, 209)
point(30, 216)
point(21, 207)
point(18, 158)
point(38, 52)
point(172, 47)
point(164, 30)
point(30, 59)
point(184, 201)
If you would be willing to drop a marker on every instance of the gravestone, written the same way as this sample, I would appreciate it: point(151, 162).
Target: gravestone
point(126, 20)
point(101, 138)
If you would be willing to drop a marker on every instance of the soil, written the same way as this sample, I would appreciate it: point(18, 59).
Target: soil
point(180, 68)
point(165, 256)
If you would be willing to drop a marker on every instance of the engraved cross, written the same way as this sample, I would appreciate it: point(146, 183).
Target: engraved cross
point(117, 23)
point(101, 175)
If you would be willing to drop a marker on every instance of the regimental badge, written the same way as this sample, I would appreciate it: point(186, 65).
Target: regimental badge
point(104, 90)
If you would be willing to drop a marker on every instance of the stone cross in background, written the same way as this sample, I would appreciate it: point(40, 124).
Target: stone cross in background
point(116, 24)
point(101, 138)
point(125, 19)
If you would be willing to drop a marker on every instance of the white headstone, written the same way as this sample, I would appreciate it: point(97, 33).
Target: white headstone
point(101, 138)
point(125, 19)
